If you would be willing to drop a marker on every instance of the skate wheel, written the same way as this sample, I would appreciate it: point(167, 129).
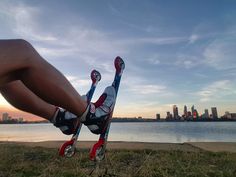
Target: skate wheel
point(100, 154)
point(67, 149)
point(119, 64)
point(95, 76)
point(96, 152)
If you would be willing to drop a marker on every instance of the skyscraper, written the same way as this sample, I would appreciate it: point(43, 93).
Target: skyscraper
point(214, 112)
point(158, 116)
point(175, 112)
point(206, 113)
point(192, 109)
point(5, 116)
point(185, 111)
point(168, 116)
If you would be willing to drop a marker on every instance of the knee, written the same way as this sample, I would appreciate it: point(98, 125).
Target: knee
point(22, 44)
point(26, 50)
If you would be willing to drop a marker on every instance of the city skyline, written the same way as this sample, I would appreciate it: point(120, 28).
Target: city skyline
point(176, 53)
point(194, 114)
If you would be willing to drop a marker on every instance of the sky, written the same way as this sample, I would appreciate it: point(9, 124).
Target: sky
point(176, 52)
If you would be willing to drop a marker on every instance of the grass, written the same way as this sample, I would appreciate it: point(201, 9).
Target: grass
point(22, 161)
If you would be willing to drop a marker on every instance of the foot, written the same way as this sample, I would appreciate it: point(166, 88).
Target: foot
point(97, 113)
point(65, 120)
point(94, 117)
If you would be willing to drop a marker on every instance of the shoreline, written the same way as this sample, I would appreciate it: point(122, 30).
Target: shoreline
point(119, 145)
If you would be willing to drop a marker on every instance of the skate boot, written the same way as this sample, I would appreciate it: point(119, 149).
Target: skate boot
point(94, 116)
point(65, 121)
point(97, 113)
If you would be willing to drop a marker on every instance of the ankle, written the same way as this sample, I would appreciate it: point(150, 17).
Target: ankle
point(53, 118)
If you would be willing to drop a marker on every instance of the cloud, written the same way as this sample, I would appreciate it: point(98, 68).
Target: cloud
point(147, 89)
point(193, 38)
point(75, 40)
point(187, 61)
point(23, 21)
point(82, 85)
point(216, 90)
point(220, 54)
point(157, 40)
point(154, 60)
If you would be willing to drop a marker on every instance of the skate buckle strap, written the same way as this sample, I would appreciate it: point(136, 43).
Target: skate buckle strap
point(84, 115)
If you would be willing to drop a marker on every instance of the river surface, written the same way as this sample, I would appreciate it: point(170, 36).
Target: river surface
point(171, 132)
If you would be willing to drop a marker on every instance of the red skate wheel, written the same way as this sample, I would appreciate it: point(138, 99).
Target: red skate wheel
point(67, 149)
point(97, 152)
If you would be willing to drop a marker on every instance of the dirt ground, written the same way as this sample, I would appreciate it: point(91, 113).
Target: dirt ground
point(193, 146)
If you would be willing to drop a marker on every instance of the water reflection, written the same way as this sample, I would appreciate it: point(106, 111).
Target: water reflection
point(170, 132)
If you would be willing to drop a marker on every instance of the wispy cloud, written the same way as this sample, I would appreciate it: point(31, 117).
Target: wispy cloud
point(221, 53)
point(78, 83)
point(216, 90)
point(148, 89)
point(23, 20)
point(156, 40)
point(154, 60)
point(187, 61)
point(193, 38)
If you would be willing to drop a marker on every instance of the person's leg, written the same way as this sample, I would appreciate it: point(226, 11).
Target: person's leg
point(19, 96)
point(20, 61)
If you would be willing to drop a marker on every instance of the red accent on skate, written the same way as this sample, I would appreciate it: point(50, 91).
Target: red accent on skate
point(92, 154)
point(117, 64)
point(63, 147)
point(100, 101)
point(93, 76)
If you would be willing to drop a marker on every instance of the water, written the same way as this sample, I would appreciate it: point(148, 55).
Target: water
point(171, 132)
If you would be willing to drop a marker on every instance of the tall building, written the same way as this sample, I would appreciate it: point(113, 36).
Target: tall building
point(175, 112)
point(168, 115)
point(195, 114)
point(5, 116)
point(206, 113)
point(192, 109)
point(185, 111)
point(158, 116)
point(214, 112)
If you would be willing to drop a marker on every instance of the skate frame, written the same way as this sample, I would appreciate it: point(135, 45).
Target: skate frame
point(97, 153)
point(68, 148)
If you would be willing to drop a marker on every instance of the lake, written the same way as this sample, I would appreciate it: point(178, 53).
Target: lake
point(170, 132)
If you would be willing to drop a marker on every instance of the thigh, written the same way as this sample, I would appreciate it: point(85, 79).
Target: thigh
point(13, 57)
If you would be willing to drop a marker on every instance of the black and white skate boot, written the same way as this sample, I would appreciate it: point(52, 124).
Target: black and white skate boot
point(65, 121)
point(97, 113)
point(94, 117)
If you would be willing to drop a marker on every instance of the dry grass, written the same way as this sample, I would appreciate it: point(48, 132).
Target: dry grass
point(21, 161)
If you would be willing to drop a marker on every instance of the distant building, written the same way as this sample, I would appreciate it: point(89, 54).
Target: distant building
point(185, 111)
point(229, 115)
point(158, 116)
point(195, 114)
point(20, 119)
point(5, 116)
point(175, 112)
point(189, 114)
point(214, 112)
point(233, 116)
point(206, 113)
point(168, 115)
point(192, 109)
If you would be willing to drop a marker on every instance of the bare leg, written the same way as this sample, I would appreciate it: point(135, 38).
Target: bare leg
point(19, 96)
point(20, 61)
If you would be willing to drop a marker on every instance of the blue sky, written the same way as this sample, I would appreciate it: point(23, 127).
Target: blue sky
point(176, 52)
